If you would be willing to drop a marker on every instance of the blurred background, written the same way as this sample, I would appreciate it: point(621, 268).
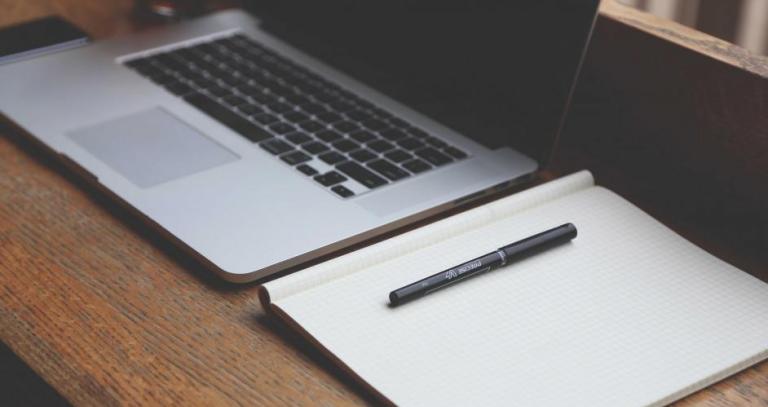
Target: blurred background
point(742, 22)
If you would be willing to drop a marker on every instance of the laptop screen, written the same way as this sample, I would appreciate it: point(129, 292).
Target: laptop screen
point(499, 72)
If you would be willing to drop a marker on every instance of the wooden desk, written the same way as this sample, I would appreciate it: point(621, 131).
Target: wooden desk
point(107, 312)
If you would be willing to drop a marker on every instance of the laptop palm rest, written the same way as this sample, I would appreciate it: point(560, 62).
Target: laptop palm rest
point(151, 147)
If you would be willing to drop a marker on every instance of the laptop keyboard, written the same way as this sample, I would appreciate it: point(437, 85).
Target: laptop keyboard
point(345, 143)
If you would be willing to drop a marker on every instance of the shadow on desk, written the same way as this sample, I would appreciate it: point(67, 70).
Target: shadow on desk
point(21, 386)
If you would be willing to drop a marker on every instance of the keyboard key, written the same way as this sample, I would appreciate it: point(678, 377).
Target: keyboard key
point(433, 156)
point(359, 115)
point(179, 89)
point(312, 126)
point(280, 90)
point(375, 124)
point(393, 134)
point(298, 137)
point(282, 128)
point(265, 118)
point(276, 146)
point(329, 118)
point(363, 103)
point(295, 117)
point(330, 178)
point(137, 63)
point(309, 88)
point(251, 89)
point(417, 132)
point(332, 157)
point(188, 73)
point(193, 77)
point(363, 155)
point(280, 107)
point(410, 143)
point(380, 146)
point(362, 136)
point(328, 136)
point(297, 99)
point(398, 156)
point(342, 106)
point(381, 113)
point(218, 91)
point(388, 169)
point(233, 81)
point(314, 147)
point(313, 108)
point(174, 64)
point(455, 152)
point(163, 79)
point(205, 83)
point(436, 142)
point(185, 54)
point(416, 166)
point(227, 117)
point(327, 97)
point(250, 109)
point(398, 122)
point(149, 71)
point(342, 191)
point(262, 98)
point(269, 82)
point(346, 126)
point(306, 169)
point(296, 157)
point(345, 145)
point(361, 174)
point(234, 101)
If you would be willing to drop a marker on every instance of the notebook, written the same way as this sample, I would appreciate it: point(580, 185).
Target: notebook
point(629, 313)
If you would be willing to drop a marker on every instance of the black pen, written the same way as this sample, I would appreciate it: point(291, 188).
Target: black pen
point(501, 257)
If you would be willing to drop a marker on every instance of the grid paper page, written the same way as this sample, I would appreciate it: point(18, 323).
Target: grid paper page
point(629, 314)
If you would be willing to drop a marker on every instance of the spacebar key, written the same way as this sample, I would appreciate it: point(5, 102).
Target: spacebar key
point(361, 174)
point(227, 117)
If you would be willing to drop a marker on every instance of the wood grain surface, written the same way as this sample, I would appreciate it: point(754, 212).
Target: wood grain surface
point(109, 313)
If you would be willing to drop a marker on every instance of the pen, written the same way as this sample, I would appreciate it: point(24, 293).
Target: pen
point(499, 258)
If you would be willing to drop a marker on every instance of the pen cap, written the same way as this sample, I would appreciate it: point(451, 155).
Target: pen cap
point(539, 242)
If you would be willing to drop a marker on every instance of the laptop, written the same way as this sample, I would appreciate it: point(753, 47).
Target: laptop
point(264, 138)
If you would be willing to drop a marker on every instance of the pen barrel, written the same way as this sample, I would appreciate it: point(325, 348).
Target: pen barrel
point(445, 278)
point(503, 256)
point(539, 242)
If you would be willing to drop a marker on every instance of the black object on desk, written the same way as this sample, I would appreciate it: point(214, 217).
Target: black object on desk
point(38, 37)
point(499, 258)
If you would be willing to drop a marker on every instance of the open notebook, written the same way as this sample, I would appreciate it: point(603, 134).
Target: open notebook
point(629, 313)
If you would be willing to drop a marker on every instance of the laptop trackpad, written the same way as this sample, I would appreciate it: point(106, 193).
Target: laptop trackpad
point(151, 147)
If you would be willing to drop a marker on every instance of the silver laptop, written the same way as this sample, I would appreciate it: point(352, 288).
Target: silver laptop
point(262, 139)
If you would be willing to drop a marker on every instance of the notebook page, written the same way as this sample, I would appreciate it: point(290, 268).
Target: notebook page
point(425, 236)
point(629, 314)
